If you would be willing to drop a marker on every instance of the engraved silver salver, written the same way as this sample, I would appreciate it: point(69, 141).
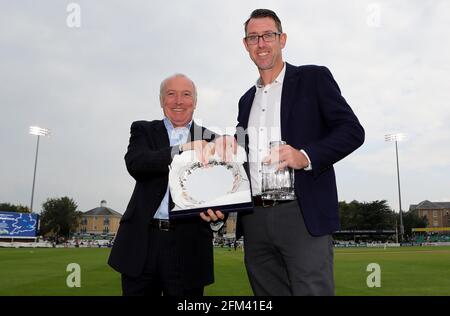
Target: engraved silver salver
point(218, 185)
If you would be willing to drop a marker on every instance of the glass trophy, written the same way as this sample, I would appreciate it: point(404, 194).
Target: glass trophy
point(277, 184)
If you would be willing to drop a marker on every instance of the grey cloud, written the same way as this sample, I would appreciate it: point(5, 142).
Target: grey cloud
point(89, 84)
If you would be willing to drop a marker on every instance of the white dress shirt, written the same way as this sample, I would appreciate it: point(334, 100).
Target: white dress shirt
point(264, 126)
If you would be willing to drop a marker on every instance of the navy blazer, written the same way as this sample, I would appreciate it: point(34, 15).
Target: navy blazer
point(316, 118)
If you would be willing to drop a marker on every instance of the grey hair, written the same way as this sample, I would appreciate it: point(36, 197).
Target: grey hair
point(164, 82)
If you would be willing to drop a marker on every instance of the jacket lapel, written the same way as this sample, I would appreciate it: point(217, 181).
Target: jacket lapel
point(287, 96)
point(162, 141)
point(195, 133)
point(247, 106)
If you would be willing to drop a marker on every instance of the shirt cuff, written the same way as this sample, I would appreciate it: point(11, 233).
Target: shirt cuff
point(216, 226)
point(309, 161)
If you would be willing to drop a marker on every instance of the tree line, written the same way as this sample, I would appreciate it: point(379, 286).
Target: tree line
point(377, 215)
point(60, 217)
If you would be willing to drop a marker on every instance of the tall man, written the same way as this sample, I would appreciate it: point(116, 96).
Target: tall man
point(288, 244)
point(156, 255)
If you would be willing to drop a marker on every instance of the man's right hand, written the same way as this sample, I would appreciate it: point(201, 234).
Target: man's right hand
point(212, 216)
point(199, 146)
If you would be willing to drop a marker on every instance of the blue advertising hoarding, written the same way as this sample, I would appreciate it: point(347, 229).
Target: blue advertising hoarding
point(18, 224)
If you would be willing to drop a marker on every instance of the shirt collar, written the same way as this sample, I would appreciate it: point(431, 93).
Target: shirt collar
point(278, 79)
point(169, 126)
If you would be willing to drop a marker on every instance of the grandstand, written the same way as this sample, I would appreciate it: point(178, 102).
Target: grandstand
point(431, 235)
point(357, 236)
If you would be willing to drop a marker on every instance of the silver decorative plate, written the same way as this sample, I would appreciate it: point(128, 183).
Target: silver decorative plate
point(200, 184)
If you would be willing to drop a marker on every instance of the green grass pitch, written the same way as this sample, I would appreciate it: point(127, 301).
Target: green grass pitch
point(404, 271)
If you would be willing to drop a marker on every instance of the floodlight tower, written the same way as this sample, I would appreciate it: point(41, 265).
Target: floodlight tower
point(397, 137)
point(38, 131)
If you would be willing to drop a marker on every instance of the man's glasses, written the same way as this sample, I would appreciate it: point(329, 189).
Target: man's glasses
point(267, 37)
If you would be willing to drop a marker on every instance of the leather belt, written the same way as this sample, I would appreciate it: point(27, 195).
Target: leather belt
point(162, 224)
point(259, 202)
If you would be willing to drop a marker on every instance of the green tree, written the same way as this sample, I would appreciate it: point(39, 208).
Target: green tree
point(348, 213)
point(366, 216)
point(7, 207)
point(59, 217)
point(412, 220)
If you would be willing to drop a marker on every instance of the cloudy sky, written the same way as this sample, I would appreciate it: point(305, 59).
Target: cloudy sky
point(88, 81)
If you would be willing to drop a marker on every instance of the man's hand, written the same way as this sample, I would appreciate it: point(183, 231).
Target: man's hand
point(199, 147)
point(208, 152)
point(211, 215)
point(226, 147)
point(287, 156)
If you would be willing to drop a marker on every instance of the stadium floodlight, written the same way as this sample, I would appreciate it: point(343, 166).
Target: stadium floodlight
point(397, 137)
point(38, 131)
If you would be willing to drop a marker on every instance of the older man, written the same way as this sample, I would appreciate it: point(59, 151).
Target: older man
point(156, 255)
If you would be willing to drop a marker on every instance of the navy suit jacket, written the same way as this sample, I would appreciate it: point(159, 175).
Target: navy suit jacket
point(147, 159)
point(316, 118)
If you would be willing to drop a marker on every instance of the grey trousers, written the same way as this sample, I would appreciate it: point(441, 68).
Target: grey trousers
point(282, 258)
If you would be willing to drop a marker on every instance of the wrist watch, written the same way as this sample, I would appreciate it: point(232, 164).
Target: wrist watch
point(216, 226)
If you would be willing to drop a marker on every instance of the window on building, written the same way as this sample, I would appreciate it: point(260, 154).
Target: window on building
point(106, 221)
point(435, 223)
point(435, 213)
